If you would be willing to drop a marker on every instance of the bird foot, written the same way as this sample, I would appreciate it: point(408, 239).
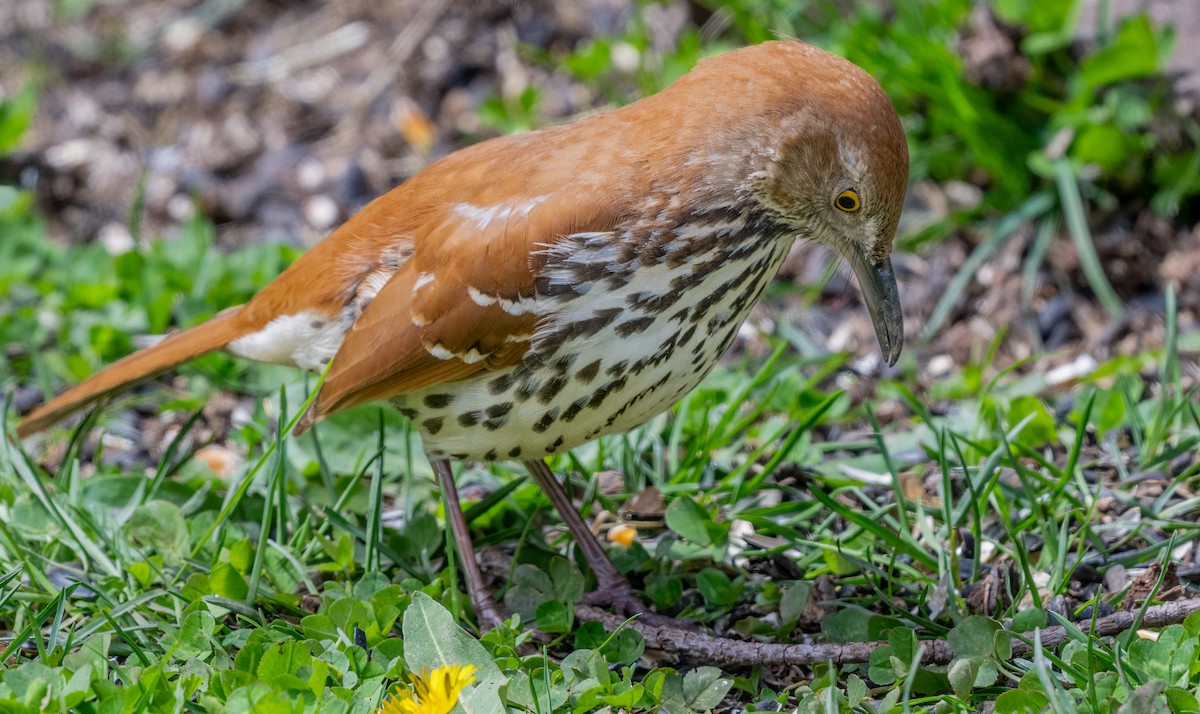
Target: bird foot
point(488, 612)
point(619, 594)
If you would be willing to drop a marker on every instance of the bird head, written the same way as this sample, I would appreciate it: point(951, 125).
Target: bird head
point(839, 175)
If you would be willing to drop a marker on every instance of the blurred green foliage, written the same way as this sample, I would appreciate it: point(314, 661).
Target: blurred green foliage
point(61, 300)
point(15, 115)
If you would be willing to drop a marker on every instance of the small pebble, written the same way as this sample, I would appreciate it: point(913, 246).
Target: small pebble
point(220, 460)
point(625, 57)
point(311, 174)
point(182, 35)
point(320, 211)
point(181, 207)
point(116, 239)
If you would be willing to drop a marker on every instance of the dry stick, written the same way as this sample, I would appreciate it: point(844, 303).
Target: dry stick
point(727, 653)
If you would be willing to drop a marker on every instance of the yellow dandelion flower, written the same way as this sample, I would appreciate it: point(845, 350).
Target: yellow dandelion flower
point(433, 692)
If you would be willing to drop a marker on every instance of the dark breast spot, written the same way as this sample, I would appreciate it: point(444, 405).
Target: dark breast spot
point(573, 410)
point(652, 252)
point(551, 388)
point(618, 368)
point(602, 393)
point(433, 425)
point(526, 389)
point(703, 306)
point(490, 455)
point(588, 373)
point(617, 280)
point(438, 401)
point(727, 340)
point(547, 419)
point(652, 303)
point(589, 272)
point(533, 361)
point(498, 410)
point(469, 418)
point(554, 447)
point(514, 452)
point(599, 320)
point(562, 364)
point(632, 327)
point(682, 282)
point(500, 384)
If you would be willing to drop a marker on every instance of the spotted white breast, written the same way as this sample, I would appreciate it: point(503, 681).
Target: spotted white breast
point(630, 323)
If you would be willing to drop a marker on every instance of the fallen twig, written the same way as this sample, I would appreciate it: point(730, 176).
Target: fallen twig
point(725, 652)
point(317, 51)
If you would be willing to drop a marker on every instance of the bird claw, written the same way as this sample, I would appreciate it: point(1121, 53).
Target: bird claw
point(488, 612)
point(616, 593)
point(619, 595)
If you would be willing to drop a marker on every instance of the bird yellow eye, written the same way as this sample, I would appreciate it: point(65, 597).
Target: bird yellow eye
point(847, 201)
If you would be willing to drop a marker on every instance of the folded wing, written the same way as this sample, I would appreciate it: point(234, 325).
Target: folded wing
point(466, 303)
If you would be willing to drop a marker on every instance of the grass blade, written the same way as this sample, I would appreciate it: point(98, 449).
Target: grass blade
point(1071, 203)
point(1035, 206)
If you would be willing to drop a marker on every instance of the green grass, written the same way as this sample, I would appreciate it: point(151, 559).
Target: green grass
point(316, 572)
point(154, 591)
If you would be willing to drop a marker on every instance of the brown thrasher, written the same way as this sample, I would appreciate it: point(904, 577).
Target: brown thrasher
point(525, 295)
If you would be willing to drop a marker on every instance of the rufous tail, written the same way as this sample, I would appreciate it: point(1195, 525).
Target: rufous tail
point(137, 367)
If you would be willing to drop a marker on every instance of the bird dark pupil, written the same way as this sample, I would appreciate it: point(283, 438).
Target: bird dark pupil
point(846, 202)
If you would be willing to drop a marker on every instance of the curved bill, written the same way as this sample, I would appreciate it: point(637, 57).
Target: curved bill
point(878, 285)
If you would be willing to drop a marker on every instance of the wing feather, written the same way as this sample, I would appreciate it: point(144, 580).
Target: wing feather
point(464, 305)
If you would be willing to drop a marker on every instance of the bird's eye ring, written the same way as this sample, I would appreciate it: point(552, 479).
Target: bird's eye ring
point(847, 201)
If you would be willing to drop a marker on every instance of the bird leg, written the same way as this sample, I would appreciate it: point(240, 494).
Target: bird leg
point(613, 589)
point(607, 575)
point(487, 610)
